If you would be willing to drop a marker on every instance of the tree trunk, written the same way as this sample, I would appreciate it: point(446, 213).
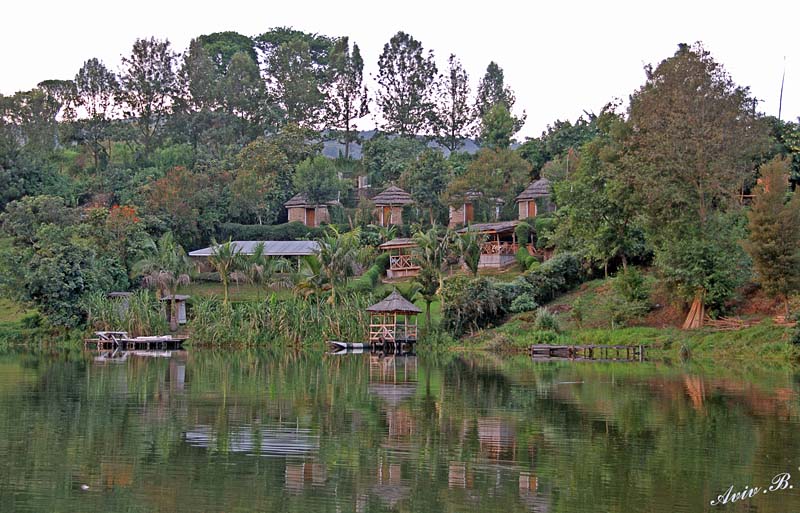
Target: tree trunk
point(697, 312)
point(173, 314)
point(624, 262)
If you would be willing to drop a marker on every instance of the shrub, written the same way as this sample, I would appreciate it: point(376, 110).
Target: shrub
point(523, 303)
point(545, 321)
point(525, 260)
point(559, 274)
point(630, 298)
point(471, 303)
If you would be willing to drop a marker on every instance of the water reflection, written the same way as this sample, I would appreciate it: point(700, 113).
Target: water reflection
point(210, 431)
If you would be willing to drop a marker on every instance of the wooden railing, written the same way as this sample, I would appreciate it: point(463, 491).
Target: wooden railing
point(392, 332)
point(402, 262)
point(499, 248)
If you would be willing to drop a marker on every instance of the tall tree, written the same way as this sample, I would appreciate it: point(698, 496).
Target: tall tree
point(406, 76)
point(694, 135)
point(430, 254)
point(242, 93)
point(426, 179)
point(346, 98)
point(316, 178)
point(454, 115)
point(492, 90)
point(95, 89)
point(774, 240)
point(148, 83)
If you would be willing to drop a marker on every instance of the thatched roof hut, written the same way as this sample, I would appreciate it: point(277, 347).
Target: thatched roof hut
point(392, 196)
point(538, 189)
point(395, 303)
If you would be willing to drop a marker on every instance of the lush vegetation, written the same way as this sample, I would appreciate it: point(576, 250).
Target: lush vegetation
point(108, 179)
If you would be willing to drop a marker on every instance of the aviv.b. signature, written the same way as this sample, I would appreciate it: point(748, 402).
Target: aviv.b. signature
point(778, 483)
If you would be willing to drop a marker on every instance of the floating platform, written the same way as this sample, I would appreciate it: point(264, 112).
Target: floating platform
point(588, 352)
point(121, 341)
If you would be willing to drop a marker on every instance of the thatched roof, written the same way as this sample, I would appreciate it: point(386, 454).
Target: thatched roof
point(398, 243)
point(392, 196)
point(538, 189)
point(395, 303)
point(301, 201)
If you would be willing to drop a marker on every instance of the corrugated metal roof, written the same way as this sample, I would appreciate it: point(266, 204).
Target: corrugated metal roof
point(500, 227)
point(271, 248)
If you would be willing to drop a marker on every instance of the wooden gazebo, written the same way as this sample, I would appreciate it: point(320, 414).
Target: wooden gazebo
point(393, 320)
point(401, 258)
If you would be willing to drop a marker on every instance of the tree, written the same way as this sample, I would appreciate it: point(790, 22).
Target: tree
point(346, 98)
point(406, 77)
point(338, 255)
point(497, 128)
point(200, 78)
point(774, 240)
point(295, 83)
point(430, 255)
point(95, 89)
point(468, 245)
point(454, 116)
point(166, 268)
point(261, 268)
point(694, 135)
point(492, 91)
point(596, 203)
point(242, 93)
point(387, 157)
point(226, 259)
point(426, 179)
point(148, 82)
point(222, 46)
point(316, 178)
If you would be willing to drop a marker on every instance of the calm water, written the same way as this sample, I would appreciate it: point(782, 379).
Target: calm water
point(207, 432)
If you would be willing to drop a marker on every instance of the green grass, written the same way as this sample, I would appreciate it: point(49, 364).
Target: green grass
point(241, 292)
point(11, 311)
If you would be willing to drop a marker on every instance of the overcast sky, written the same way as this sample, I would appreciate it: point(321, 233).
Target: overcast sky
point(560, 57)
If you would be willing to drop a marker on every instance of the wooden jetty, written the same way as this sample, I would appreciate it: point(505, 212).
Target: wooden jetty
point(121, 341)
point(588, 352)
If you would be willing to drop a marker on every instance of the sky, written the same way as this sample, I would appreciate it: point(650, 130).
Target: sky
point(560, 57)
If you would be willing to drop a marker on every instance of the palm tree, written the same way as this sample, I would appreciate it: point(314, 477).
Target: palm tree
point(261, 268)
point(468, 245)
point(165, 268)
point(227, 260)
point(430, 254)
point(338, 255)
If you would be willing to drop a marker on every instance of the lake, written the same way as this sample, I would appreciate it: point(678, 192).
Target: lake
point(207, 431)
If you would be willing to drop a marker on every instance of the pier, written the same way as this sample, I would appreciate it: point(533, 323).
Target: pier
point(588, 352)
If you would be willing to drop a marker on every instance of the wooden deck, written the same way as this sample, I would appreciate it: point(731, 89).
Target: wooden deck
point(588, 352)
point(119, 340)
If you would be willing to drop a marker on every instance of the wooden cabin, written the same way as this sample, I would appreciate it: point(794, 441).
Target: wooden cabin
point(401, 258)
point(499, 247)
point(300, 209)
point(389, 205)
point(464, 213)
point(393, 320)
point(535, 197)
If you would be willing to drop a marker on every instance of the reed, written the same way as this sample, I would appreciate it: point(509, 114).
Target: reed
point(138, 314)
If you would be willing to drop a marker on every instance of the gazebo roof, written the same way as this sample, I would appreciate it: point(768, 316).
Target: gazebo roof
point(398, 243)
point(538, 189)
point(395, 303)
point(393, 196)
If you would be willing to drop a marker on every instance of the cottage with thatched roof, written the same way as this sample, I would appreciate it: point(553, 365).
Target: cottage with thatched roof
point(301, 209)
point(389, 205)
point(464, 213)
point(535, 199)
point(393, 320)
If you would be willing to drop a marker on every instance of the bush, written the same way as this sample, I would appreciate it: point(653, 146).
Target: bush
point(559, 274)
point(287, 231)
point(372, 276)
point(472, 303)
point(630, 298)
point(524, 303)
point(546, 321)
point(525, 260)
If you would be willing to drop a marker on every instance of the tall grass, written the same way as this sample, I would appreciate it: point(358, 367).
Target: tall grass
point(293, 320)
point(142, 316)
